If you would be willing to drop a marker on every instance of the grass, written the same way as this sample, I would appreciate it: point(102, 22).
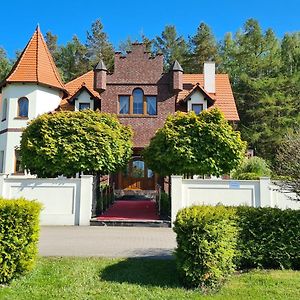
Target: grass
point(99, 278)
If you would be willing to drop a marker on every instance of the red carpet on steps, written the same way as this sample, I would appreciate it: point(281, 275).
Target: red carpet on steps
point(131, 210)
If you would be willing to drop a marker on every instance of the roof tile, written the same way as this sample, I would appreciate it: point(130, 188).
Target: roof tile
point(36, 65)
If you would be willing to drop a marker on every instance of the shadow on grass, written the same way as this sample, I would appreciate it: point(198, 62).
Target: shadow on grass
point(142, 271)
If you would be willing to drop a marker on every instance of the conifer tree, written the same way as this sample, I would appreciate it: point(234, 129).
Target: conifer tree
point(202, 47)
point(98, 46)
point(172, 46)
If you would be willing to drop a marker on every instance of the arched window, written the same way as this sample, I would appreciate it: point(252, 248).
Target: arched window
point(23, 107)
point(4, 109)
point(138, 101)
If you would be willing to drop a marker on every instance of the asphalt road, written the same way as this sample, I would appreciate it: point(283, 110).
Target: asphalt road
point(86, 241)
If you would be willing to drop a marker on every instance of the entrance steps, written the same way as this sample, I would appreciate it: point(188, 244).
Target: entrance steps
point(131, 223)
point(138, 212)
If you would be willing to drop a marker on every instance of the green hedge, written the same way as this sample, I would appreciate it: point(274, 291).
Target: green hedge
point(269, 238)
point(211, 240)
point(206, 242)
point(19, 232)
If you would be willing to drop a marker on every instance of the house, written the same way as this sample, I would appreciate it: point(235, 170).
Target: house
point(138, 91)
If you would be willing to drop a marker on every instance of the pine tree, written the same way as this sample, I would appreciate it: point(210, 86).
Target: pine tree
point(202, 47)
point(172, 46)
point(98, 46)
point(125, 46)
point(51, 42)
point(5, 65)
point(72, 59)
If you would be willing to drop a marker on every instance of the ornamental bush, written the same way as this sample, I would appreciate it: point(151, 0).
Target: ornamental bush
point(252, 169)
point(19, 233)
point(206, 243)
point(211, 241)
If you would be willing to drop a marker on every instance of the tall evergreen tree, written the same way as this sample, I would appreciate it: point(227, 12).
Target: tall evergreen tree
point(72, 59)
point(5, 65)
point(268, 102)
point(172, 46)
point(98, 46)
point(126, 45)
point(51, 42)
point(290, 53)
point(202, 47)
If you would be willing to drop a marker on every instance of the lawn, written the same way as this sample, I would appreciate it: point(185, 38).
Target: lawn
point(97, 278)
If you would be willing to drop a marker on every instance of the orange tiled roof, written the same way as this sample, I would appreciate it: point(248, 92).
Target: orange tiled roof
point(223, 97)
point(36, 65)
point(86, 80)
point(76, 84)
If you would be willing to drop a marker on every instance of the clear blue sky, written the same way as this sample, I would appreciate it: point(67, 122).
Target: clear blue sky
point(131, 18)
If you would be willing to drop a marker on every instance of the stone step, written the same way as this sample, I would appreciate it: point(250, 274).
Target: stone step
point(130, 223)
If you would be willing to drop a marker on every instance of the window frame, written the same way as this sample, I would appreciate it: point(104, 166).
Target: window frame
point(196, 104)
point(18, 110)
point(4, 109)
point(17, 155)
point(84, 103)
point(145, 105)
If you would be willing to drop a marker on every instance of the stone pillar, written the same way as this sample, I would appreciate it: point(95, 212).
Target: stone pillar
point(176, 196)
point(264, 192)
point(86, 199)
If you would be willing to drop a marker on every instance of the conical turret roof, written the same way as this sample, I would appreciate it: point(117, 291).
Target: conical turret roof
point(36, 65)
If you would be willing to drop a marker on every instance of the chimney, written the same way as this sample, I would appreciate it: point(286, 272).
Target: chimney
point(209, 71)
point(100, 77)
point(177, 79)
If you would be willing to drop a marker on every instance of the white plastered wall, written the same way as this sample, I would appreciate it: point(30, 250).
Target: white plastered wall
point(84, 97)
point(197, 98)
point(41, 100)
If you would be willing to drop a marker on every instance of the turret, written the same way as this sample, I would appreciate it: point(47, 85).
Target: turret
point(100, 72)
point(177, 79)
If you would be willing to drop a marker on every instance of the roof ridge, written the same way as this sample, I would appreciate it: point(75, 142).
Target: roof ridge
point(37, 54)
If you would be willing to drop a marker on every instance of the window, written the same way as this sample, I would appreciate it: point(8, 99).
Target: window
point(138, 169)
point(151, 105)
point(23, 107)
point(137, 104)
point(1, 161)
point(124, 104)
point(4, 109)
point(197, 108)
point(138, 101)
point(18, 167)
point(83, 106)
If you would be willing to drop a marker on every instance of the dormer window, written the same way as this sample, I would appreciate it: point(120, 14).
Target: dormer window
point(137, 104)
point(23, 107)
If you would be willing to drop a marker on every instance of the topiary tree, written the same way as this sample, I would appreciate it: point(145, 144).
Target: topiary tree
point(70, 142)
point(195, 144)
point(251, 169)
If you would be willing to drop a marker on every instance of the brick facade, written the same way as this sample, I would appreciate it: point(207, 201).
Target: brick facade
point(139, 70)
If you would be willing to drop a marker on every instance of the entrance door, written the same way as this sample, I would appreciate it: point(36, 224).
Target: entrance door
point(137, 176)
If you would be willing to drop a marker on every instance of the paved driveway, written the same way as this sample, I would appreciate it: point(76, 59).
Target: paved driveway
point(107, 241)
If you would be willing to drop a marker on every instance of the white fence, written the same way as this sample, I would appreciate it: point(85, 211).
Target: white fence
point(65, 201)
point(256, 193)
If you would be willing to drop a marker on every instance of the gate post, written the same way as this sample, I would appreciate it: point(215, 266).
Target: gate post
point(86, 199)
point(176, 196)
